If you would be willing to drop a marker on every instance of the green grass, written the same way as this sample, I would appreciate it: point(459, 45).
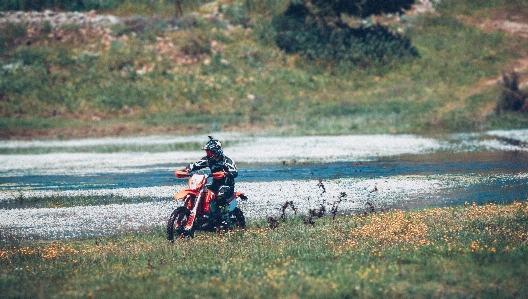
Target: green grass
point(477, 7)
point(239, 77)
point(465, 251)
point(55, 201)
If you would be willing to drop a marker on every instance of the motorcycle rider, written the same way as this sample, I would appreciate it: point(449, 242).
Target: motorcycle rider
point(224, 186)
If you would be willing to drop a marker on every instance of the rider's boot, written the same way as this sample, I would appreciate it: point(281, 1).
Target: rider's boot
point(207, 221)
point(223, 220)
point(213, 218)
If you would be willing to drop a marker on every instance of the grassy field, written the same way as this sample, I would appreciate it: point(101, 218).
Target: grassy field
point(137, 78)
point(455, 252)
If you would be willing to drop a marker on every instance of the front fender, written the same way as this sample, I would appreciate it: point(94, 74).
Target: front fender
point(183, 193)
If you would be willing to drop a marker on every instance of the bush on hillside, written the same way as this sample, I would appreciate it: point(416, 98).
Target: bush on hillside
point(512, 98)
point(11, 34)
point(342, 44)
point(237, 15)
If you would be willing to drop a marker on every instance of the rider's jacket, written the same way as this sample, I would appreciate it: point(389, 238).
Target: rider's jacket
point(223, 164)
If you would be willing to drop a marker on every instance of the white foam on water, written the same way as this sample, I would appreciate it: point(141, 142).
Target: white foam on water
point(247, 149)
point(108, 141)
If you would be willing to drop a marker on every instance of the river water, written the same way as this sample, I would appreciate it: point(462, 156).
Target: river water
point(89, 187)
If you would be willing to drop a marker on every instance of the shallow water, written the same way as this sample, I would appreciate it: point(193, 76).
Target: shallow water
point(162, 175)
point(132, 191)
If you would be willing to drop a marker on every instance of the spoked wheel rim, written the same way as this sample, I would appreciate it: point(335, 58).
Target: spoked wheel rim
point(177, 218)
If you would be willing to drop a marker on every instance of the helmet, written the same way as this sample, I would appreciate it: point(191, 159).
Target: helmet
point(213, 148)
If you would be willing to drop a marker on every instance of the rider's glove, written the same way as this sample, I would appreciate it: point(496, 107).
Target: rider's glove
point(219, 175)
point(182, 173)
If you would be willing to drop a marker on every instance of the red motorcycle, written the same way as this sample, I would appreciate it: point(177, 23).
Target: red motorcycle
point(198, 206)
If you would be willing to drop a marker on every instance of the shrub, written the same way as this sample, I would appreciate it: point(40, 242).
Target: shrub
point(511, 99)
point(195, 44)
point(47, 27)
point(10, 33)
point(237, 15)
point(364, 47)
point(317, 32)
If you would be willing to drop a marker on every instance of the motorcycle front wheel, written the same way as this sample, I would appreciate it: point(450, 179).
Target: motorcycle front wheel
point(178, 217)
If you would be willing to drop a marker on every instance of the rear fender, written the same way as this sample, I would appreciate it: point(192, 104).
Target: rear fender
point(233, 202)
point(240, 195)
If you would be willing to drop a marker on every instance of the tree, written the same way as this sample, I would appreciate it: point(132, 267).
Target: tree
point(316, 30)
point(178, 12)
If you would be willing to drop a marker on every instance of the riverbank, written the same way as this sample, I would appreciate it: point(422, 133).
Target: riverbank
point(135, 78)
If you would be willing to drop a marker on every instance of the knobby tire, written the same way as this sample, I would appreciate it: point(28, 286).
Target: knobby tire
point(180, 214)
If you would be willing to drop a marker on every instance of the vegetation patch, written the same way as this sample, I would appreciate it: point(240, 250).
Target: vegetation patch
point(512, 98)
point(468, 250)
point(299, 30)
point(206, 71)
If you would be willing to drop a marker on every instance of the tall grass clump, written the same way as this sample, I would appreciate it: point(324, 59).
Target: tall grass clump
point(464, 251)
point(265, 7)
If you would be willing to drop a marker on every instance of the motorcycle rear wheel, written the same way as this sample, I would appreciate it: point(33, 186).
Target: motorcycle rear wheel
point(179, 216)
point(237, 218)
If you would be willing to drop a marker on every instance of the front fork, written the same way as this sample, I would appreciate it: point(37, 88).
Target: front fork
point(190, 220)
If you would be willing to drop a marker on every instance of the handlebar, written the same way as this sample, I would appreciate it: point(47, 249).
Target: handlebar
point(184, 173)
point(181, 174)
